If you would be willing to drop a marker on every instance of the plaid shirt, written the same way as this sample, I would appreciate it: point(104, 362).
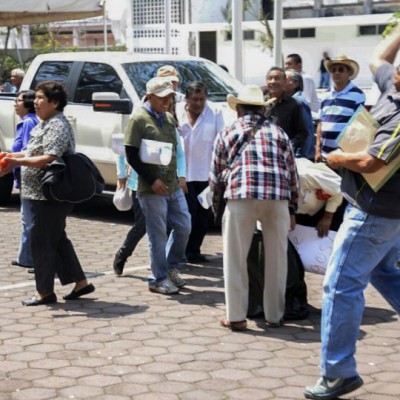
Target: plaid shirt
point(266, 168)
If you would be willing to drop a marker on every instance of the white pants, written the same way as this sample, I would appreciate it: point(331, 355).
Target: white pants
point(238, 225)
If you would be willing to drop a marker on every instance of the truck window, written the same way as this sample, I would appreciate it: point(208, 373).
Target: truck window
point(219, 83)
point(96, 77)
point(52, 70)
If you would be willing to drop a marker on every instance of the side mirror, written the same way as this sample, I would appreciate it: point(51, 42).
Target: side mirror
point(110, 102)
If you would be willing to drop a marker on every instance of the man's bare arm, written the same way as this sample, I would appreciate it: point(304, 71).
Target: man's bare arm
point(357, 162)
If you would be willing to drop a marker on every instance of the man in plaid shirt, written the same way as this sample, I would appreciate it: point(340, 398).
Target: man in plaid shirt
point(262, 186)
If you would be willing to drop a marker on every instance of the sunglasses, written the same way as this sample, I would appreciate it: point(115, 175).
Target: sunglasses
point(339, 69)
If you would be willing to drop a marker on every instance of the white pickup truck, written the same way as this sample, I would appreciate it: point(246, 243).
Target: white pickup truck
point(126, 75)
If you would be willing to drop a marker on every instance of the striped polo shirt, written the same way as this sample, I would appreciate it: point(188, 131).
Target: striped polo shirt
point(336, 110)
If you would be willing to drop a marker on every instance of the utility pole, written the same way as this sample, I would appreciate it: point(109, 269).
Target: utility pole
point(237, 39)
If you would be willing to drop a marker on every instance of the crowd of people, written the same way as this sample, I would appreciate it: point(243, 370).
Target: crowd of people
point(276, 167)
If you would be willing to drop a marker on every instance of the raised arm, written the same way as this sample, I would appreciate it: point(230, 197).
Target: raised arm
point(386, 50)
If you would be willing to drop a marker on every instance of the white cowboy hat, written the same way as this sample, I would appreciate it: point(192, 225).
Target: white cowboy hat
point(250, 94)
point(343, 60)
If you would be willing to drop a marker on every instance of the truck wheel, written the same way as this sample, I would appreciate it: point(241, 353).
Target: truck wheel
point(6, 185)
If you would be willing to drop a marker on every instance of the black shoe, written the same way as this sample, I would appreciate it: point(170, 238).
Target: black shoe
point(274, 324)
point(16, 263)
point(81, 292)
point(33, 301)
point(329, 389)
point(31, 271)
point(196, 257)
point(118, 264)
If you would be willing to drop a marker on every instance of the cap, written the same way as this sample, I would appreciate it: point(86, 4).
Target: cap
point(160, 87)
point(168, 71)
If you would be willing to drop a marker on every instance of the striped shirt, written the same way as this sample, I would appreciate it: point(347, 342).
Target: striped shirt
point(266, 168)
point(336, 110)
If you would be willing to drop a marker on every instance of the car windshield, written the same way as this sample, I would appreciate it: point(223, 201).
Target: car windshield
point(219, 83)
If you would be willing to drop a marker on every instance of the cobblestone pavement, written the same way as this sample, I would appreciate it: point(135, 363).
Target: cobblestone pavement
point(124, 342)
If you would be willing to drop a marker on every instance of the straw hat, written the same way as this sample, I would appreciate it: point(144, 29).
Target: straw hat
point(343, 60)
point(160, 87)
point(168, 71)
point(250, 94)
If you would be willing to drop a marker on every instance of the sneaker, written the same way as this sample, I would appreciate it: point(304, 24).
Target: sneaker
point(118, 264)
point(175, 278)
point(329, 389)
point(165, 287)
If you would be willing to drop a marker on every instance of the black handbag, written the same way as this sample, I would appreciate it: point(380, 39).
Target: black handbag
point(72, 178)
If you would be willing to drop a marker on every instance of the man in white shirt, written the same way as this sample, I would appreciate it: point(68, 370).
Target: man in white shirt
point(199, 123)
point(294, 61)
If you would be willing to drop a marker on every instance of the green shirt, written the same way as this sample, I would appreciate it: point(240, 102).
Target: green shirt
point(143, 126)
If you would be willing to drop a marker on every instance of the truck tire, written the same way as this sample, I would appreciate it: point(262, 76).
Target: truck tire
point(6, 186)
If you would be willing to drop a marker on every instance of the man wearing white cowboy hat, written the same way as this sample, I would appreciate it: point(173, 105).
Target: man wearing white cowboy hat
point(262, 186)
point(339, 105)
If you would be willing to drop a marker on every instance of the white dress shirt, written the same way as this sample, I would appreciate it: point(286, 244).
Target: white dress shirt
point(199, 139)
point(310, 93)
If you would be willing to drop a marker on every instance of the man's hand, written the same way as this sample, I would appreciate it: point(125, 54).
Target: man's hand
point(292, 222)
point(121, 183)
point(333, 158)
point(182, 185)
point(324, 224)
point(159, 187)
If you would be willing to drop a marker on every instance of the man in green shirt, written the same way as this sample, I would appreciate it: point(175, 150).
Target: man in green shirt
point(160, 197)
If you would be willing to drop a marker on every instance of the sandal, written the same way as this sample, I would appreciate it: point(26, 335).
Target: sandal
point(234, 325)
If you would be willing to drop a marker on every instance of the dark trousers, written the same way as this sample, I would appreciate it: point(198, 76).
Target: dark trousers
point(137, 231)
point(52, 251)
point(199, 215)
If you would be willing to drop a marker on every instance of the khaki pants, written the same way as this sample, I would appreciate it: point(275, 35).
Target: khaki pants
point(238, 225)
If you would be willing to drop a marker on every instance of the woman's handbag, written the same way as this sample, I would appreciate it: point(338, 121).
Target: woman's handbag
point(72, 178)
point(122, 199)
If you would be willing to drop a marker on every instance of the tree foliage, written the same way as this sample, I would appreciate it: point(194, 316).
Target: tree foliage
point(393, 23)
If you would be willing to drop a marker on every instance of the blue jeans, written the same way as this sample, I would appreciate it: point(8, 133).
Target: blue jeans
point(324, 80)
point(364, 251)
point(25, 253)
point(161, 212)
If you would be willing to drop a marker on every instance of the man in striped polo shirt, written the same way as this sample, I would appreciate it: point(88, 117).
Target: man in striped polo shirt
point(339, 105)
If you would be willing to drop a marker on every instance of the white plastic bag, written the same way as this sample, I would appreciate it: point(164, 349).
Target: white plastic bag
point(122, 199)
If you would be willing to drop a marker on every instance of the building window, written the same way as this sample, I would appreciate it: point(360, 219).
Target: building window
point(366, 30)
point(299, 33)
point(247, 35)
point(153, 12)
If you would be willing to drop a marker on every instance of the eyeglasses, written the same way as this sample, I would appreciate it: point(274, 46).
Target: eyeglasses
point(339, 69)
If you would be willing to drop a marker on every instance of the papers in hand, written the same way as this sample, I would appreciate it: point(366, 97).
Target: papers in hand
point(204, 198)
point(154, 152)
point(358, 135)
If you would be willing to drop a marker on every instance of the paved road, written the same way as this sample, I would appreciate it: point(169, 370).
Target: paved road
point(123, 342)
